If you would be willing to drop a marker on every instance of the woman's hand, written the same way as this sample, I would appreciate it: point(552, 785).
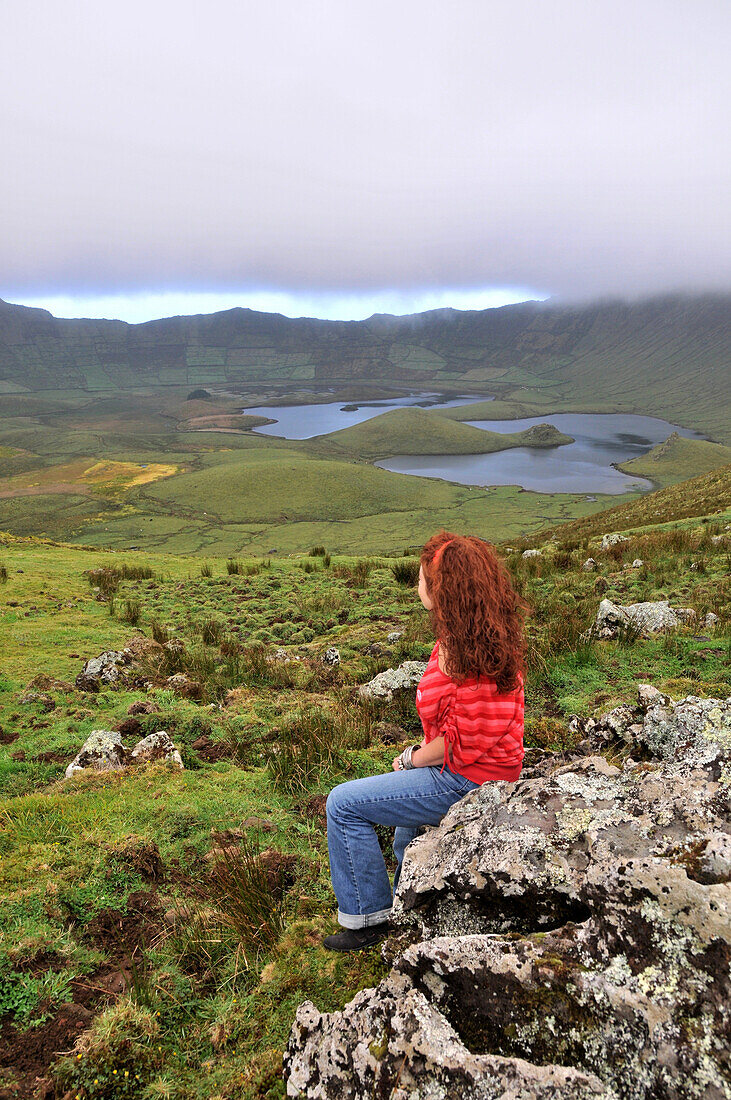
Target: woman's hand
point(397, 763)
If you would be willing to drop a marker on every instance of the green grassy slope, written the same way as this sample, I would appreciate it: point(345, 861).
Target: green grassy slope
point(105, 868)
point(707, 496)
point(678, 459)
point(416, 431)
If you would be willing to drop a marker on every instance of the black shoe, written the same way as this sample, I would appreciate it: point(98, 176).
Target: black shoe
point(356, 939)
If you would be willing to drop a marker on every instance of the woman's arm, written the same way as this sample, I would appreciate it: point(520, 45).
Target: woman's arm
point(430, 754)
point(426, 755)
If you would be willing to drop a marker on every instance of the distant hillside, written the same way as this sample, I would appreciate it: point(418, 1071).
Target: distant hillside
point(415, 431)
point(678, 459)
point(707, 495)
point(668, 356)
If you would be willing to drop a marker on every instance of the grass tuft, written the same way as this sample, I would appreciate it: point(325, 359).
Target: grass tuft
point(406, 572)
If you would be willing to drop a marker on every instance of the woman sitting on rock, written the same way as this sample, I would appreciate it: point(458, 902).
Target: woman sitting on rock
point(470, 702)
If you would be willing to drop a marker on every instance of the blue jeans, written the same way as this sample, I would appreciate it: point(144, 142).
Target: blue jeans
point(406, 799)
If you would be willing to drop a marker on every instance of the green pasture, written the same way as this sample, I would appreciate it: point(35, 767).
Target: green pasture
point(206, 1008)
point(679, 459)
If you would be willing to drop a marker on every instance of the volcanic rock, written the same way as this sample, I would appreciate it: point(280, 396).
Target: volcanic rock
point(570, 935)
point(103, 751)
point(386, 683)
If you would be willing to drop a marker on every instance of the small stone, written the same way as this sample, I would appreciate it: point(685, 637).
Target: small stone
point(637, 563)
point(331, 657)
point(531, 554)
point(589, 566)
point(650, 617)
point(393, 637)
point(386, 683)
point(185, 687)
point(156, 747)
point(649, 696)
point(102, 671)
point(612, 540)
point(263, 824)
point(102, 751)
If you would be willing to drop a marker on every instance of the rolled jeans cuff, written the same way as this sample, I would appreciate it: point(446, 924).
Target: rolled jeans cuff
point(363, 920)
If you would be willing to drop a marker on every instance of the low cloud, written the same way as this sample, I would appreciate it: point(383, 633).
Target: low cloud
point(326, 148)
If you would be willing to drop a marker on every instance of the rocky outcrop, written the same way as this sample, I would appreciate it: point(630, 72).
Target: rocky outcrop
point(103, 671)
point(568, 935)
point(103, 750)
point(383, 685)
point(612, 539)
point(655, 728)
point(651, 617)
point(156, 747)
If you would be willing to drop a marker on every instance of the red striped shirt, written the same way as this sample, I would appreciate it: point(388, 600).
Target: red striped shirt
point(483, 729)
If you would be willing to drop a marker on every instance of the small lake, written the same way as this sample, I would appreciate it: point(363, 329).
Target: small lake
point(580, 467)
point(304, 421)
point(584, 466)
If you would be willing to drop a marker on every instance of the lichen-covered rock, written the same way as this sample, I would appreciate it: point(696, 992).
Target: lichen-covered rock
point(393, 637)
point(102, 751)
point(532, 554)
point(331, 657)
point(649, 617)
point(391, 1042)
point(589, 566)
point(103, 671)
point(612, 539)
point(386, 683)
point(280, 656)
point(156, 747)
point(575, 932)
point(657, 728)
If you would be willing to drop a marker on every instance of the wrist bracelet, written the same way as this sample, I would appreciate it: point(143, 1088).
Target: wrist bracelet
point(406, 755)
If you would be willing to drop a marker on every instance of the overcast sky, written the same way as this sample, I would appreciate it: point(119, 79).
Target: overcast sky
point(335, 156)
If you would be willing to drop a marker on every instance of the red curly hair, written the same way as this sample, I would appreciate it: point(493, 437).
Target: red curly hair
point(477, 613)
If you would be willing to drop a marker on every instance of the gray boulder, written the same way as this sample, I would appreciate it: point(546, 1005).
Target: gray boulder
point(589, 566)
point(396, 1044)
point(612, 540)
point(103, 671)
point(102, 751)
point(331, 657)
point(156, 747)
point(650, 617)
point(531, 554)
point(568, 935)
point(386, 683)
